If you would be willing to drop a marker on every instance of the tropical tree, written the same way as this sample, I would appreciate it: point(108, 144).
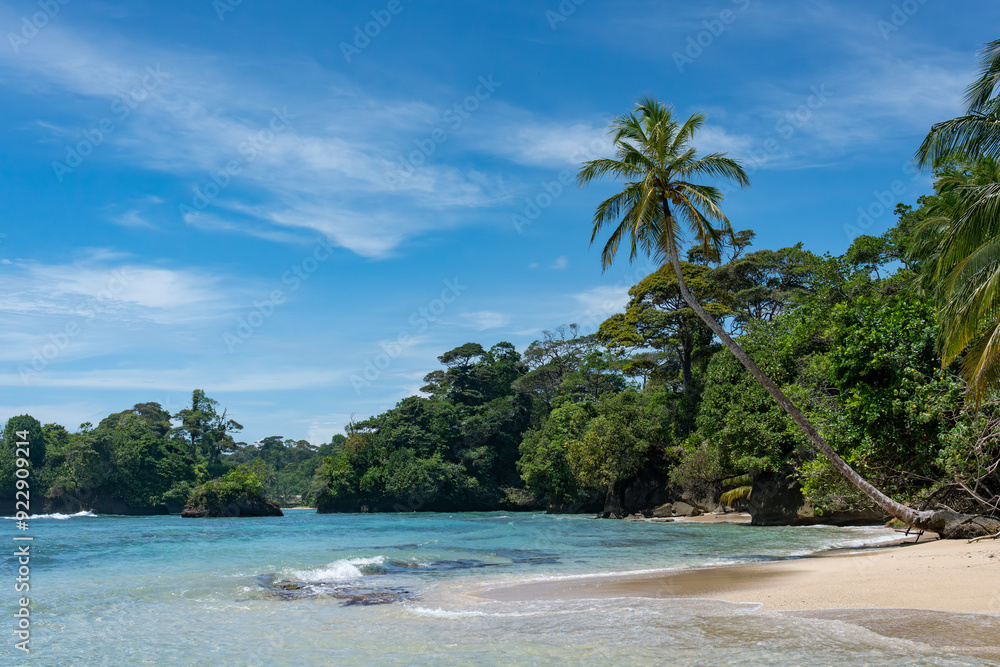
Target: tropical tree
point(653, 154)
point(964, 240)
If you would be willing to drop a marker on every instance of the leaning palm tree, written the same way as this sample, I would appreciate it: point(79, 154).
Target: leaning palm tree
point(654, 156)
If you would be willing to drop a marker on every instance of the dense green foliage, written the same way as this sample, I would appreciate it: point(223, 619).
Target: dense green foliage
point(146, 460)
point(455, 449)
point(242, 481)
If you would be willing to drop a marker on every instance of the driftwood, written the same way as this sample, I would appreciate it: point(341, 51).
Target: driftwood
point(984, 537)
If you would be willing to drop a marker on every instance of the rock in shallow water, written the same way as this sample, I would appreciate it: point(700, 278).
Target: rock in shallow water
point(349, 594)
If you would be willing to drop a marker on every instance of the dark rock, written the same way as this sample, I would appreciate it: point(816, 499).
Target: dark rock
point(245, 505)
point(775, 499)
point(682, 508)
point(645, 490)
point(349, 595)
point(665, 510)
point(586, 506)
point(99, 502)
point(862, 517)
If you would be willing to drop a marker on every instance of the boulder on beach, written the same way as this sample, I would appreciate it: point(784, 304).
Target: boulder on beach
point(665, 510)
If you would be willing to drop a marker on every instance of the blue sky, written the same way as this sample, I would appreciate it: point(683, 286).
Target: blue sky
point(261, 200)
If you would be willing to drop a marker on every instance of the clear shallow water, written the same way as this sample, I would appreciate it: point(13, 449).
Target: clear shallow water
point(285, 590)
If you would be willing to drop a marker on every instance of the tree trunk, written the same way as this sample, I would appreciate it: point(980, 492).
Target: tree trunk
point(613, 501)
point(686, 352)
point(947, 524)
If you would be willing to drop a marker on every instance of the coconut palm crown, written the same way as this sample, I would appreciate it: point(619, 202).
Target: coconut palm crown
point(654, 157)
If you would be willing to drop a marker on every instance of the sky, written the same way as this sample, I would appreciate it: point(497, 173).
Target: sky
point(298, 206)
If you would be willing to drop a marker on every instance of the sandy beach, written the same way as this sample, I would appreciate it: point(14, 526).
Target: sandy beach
point(943, 593)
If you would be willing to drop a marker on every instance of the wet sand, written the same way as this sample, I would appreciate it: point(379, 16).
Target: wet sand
point(896, 591)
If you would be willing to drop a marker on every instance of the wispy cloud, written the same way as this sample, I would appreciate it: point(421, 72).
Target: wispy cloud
point(484, 320)
point(323, 168)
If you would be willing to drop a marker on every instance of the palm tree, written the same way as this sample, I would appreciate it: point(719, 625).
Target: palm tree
point(654, 157)
point(961, 245)
point(978, 131)
point(964, 238)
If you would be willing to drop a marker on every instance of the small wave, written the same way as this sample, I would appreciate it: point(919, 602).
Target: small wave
point(451, 614)
point(339, 570)
point(55, 515)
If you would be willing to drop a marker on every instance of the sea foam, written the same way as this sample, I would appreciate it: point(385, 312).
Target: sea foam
point(339, 570)
point(55, 515)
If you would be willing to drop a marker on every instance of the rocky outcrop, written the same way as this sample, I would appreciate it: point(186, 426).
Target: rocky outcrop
point(776, 500)
point(586, 506)
point(245, 505)
point(638, 495)
point(99, 502)
point(682, 508)
point(664, 510)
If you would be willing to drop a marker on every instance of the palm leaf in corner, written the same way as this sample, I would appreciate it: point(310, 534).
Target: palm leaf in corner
point(741, 492)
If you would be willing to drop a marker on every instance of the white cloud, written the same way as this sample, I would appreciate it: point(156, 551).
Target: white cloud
point(599, 303)
point(133, 219)
point(715, 139)
point(168, 379)
point(560, 264)
point(324, 165)
point(484, 320)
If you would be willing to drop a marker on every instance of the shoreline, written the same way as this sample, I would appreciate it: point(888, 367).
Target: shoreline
point(941, 593)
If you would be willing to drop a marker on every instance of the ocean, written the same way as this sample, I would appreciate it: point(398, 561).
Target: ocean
point(386, 589)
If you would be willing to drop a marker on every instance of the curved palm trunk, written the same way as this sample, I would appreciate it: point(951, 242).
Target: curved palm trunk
point(948, 524)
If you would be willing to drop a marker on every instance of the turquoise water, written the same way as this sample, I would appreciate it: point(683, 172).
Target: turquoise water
point(288, 591)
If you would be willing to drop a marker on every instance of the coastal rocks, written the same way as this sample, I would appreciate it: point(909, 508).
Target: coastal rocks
point(862, 517)
point(243, 506)
point(664, 510)
point(638, 494)
point(775, 500)
point(87, 500)
point(349, 595)
point(682, 508)
point(586, 506)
